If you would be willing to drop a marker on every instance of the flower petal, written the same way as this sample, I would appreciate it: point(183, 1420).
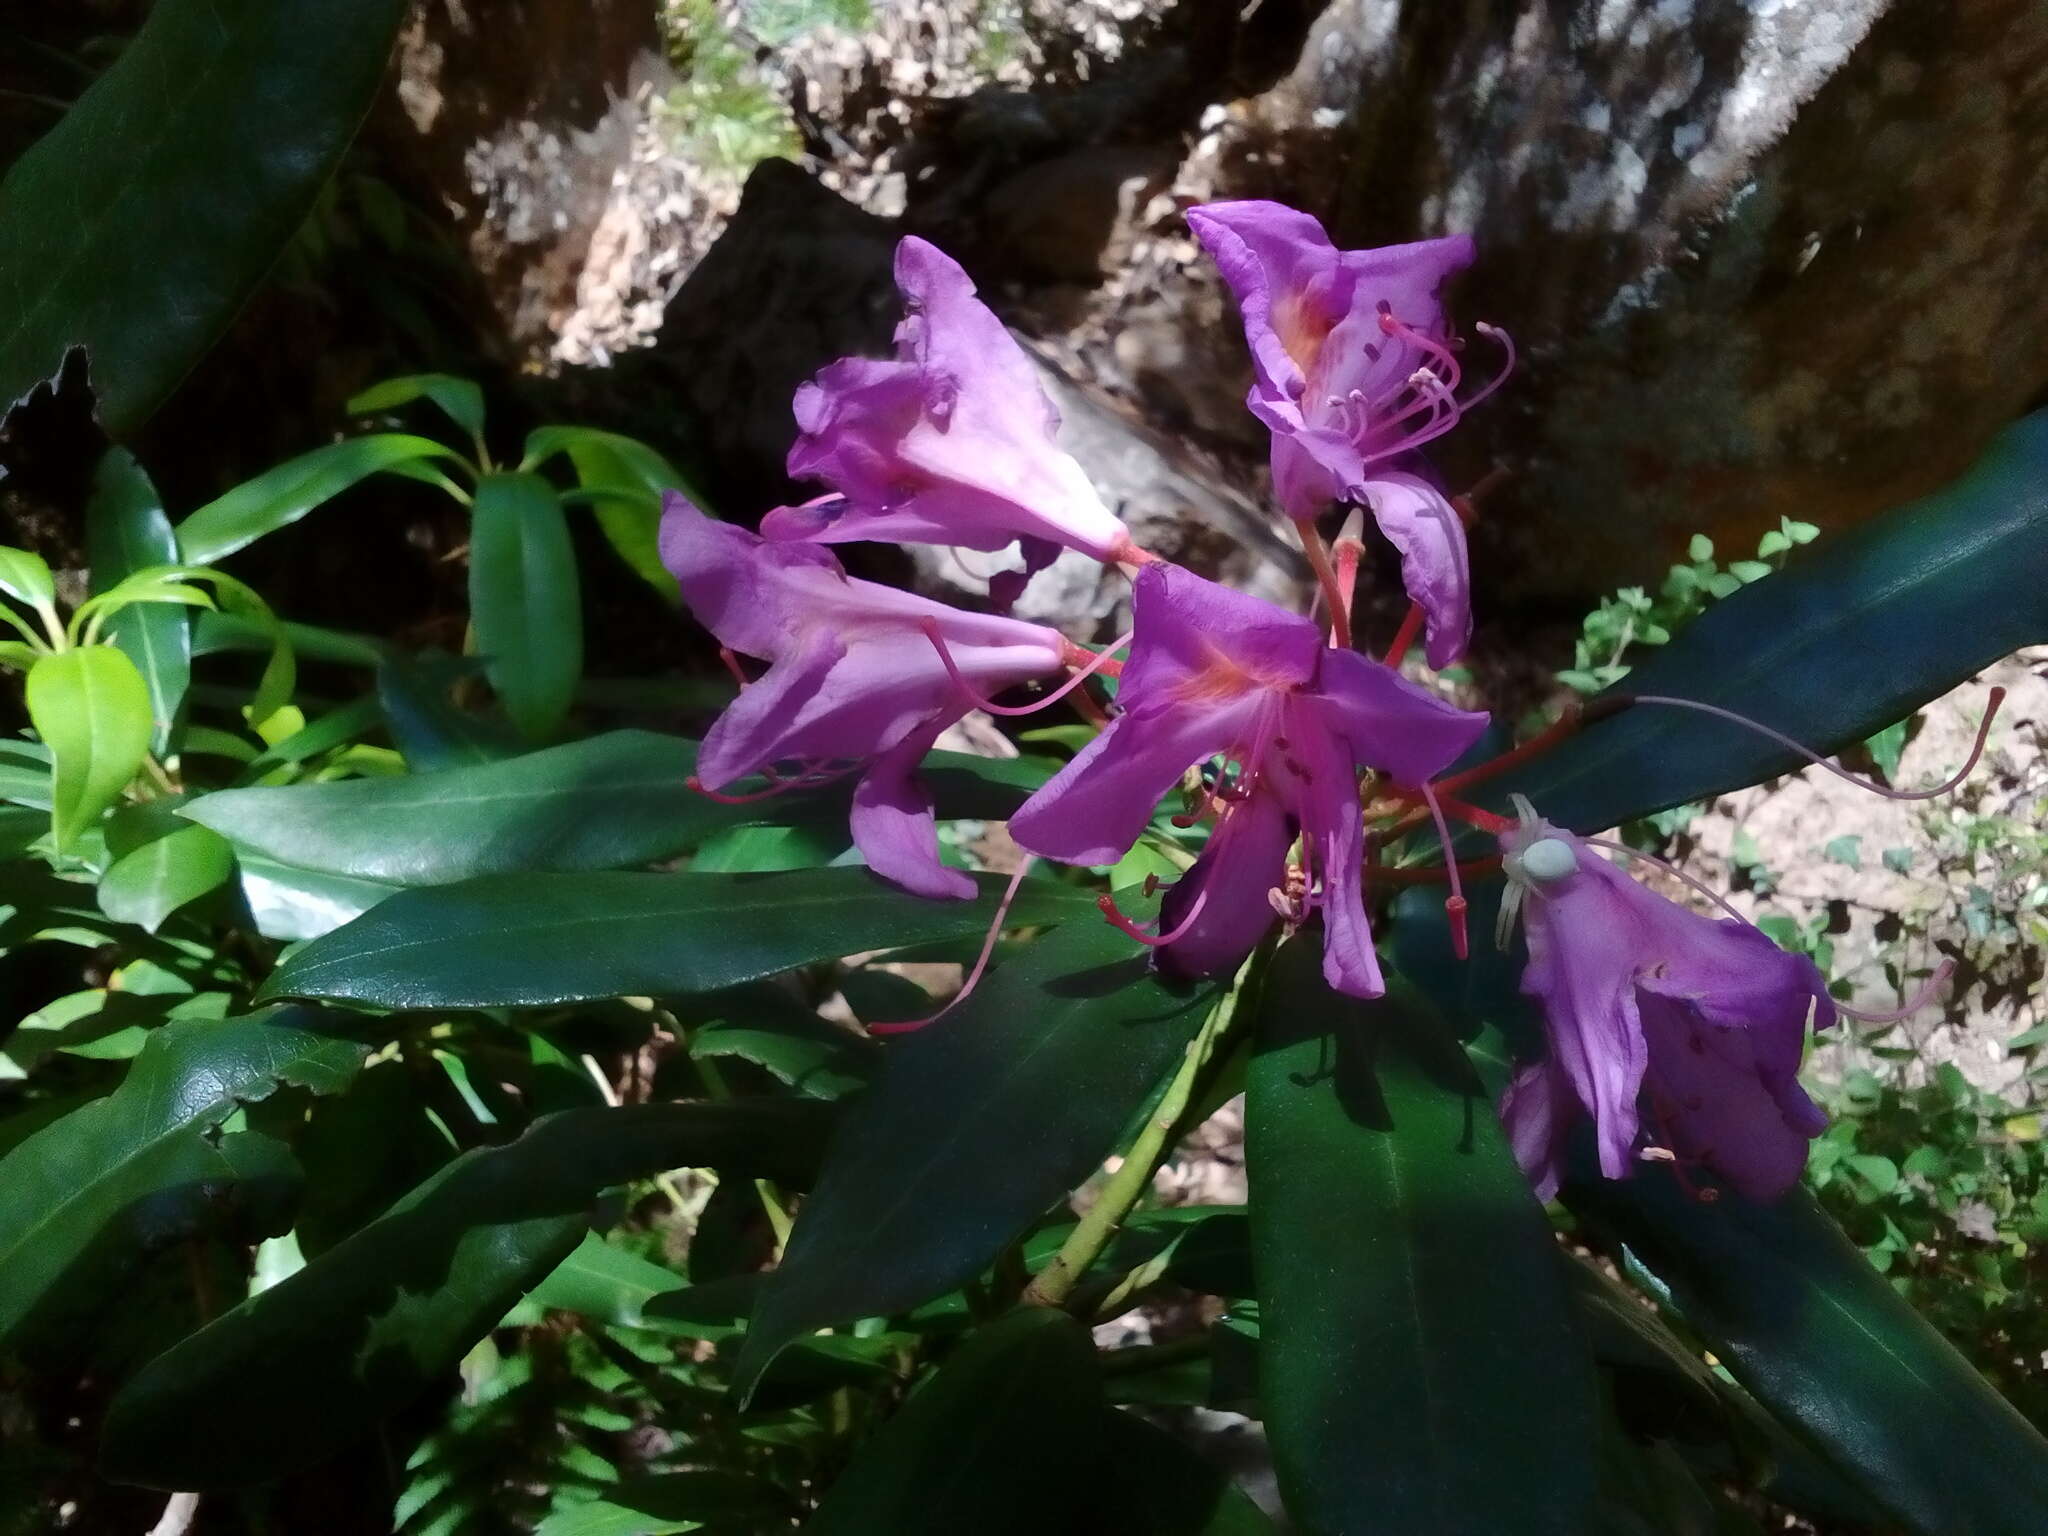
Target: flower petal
point(1537, 1112)
point(1388, 721)
point(1198, 641)
point(1426, 529)
point(1246, 857)
point(893, 825)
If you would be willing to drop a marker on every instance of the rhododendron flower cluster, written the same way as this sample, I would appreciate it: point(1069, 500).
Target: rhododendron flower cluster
point(1678, 1036)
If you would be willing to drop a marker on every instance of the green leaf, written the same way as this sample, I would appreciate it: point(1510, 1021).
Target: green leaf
point(1898, 860)
point(1151, 1483)
point(674, 1501)
point(530, 940)
point(524, 600)
point(1886, 747)
point(972, 1128)
point(84, 1199)
point(26, 577)
point(997, 1443)
point(137, 226)
point(430, 731)
point(126, 531)
point(1847, 640)
point(460, 400)
point(149, 883)
point(1799, 1316)
point(286, 1377)
point(628, 478)
point(289, 904)
point(1420, 1365)
point(611, 800)
point(1846, 849)
point(91, 708)
point(763, 1024)
point(279, 497)
point(606, 1284)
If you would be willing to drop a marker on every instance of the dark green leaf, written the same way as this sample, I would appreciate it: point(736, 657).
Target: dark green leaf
point(607, 1284)
point(674, 1501)
point(1420, 1366)
point(84, 1198)
point(526, 940)
point(613, 800)
point(91, 708)
point(1855, 635)
point(1151, 1483)
point(998, 1442)
point(293, 1373)
point(279, 497)
point(973, 1127)
point(524, 600)
point(1800, 1317)
point(765, 1025)
point(126, 531)
point(433, 734)
point(140, 223)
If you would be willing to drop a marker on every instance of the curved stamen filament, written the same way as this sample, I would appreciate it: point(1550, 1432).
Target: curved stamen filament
point(777, 785)
point(1117, 920)
point(1928, 989)
point(1672, 870)
point(1506, 343)
point(988, 946)
point(1081, 675)
point(1404, 637)
point(732, 665)
point(1326, 580)
point(1447, 366)
point(1997, 698)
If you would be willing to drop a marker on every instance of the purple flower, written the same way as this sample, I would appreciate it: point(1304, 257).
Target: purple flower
point(1353, 369)
point(1218, 674)
point(949, 442)
point(1679, 1034)
point(853, 678)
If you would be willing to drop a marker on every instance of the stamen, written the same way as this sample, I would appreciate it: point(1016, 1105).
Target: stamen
point(1096, 664)
point(1919, 1000)
point(988, 946)
point(1101, 661)
point(732, 665)
point(1997, 697)
point(1454, 904)
point(1117, 920)
point(1674, 871)
point(1506, 343)
point(1126, 552)
point(776, 786)
point(1404, 637)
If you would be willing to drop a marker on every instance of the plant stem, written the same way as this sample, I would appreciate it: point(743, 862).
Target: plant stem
point(1326, 578)
point(1051, 1286)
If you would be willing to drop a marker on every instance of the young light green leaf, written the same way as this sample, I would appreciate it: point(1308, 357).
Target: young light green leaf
point(524, 599)
point(26, 577)
point(460, 400)
point(91, 708)
point(280, 497)
point(148, 884)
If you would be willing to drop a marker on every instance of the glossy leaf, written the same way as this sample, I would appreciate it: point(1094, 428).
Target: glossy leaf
point(612, 800)
point(26, 577)
point(1419, 1365)
point(82, 1200)
point(998, 1442)
point(289, 903)
point(430, 731)
point(460, 400)
point(1149, 1482)
point(147, 884)
point(972, 1128)
point(279, 497)
point(126, 531)
point(1855, 634)
point(91, 708)
point(1799, 1316)
point(529, 940)
point(139, 223)
point(293, 1373)
point(524, 601)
